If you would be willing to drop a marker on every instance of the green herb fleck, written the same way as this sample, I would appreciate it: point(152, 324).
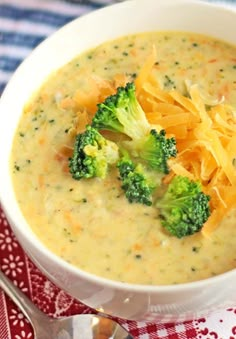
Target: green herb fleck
point(67, 233)
point(51, 121)
point(21, 134)
point(138, 256)
point(17, 168)
point(169, 82)
point(195, 249)
point(195, 44)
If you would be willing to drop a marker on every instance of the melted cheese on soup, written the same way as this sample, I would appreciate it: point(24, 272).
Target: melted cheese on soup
point(89, 223)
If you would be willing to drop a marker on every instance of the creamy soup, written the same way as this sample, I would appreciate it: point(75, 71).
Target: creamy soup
point(90, 223)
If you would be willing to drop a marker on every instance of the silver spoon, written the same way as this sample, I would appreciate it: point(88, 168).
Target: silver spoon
point(82, 326)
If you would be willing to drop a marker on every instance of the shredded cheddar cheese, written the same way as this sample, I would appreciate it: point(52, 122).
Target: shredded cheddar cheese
point(205, 138)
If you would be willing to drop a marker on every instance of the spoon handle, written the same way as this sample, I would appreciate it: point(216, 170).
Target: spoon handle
point(20, 299)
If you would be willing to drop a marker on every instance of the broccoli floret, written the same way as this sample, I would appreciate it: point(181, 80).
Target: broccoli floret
point(92, 155)
point(155, 149)
point(183, 208)
point(122, 113)
point(138, 182)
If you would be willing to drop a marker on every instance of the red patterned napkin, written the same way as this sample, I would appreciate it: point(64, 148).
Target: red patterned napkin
point(56, 303)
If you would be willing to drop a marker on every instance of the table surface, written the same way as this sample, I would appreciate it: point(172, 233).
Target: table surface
point(18, 19)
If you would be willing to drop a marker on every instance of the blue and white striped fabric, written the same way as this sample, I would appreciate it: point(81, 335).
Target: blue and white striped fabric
point(25, 23)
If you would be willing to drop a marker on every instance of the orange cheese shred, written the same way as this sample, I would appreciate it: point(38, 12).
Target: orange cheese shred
point(146, 70)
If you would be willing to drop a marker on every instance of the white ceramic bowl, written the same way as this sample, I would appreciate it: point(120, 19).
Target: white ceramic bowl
point(155, 303)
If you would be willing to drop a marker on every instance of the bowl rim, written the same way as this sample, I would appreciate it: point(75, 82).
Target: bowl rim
point(18, 219)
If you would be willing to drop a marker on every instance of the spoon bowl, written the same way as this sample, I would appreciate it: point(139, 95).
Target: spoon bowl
point(81, 326)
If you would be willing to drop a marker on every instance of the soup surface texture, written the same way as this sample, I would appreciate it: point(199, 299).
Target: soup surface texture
point(90, 223)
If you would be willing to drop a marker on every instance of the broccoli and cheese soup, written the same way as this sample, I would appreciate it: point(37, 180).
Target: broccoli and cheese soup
point(89, 222)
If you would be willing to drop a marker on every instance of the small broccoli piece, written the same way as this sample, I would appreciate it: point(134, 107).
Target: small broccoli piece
point(183, 208)
point(137, 186)
point(125, 165)
point(155, 149)
point(92, 155)
point(122, 113)
point(138, 182)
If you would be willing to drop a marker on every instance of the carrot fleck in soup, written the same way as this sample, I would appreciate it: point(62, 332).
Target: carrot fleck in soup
point(186, 85)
